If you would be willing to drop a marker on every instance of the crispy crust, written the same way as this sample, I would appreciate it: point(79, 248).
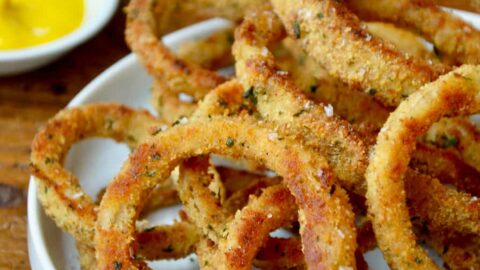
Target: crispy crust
point(177, 75)
point(453, 38)
point(322, 214)
point(59, 190)
point(249, 229)
point(354, 56)
point(367, 116)
point(457, 133)
point(455, 93)
point(280, 102)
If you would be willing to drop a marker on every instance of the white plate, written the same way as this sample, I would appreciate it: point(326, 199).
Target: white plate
point(96, 161)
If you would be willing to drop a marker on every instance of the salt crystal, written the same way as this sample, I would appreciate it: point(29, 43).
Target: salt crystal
point(183, 120)
point(264, 51)
point(328, 110)
point(77, 195)
point(185, 98)
point(368, 37)
point(272, 136)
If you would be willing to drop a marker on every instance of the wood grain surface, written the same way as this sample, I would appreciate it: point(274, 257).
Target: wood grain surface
point(26, 102)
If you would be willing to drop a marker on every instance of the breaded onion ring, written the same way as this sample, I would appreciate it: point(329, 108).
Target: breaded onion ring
point(250, 228)
point(279, 101)
point(178, 75)
point(58, 189)
point(456, 133)
point(456, 93)
point(328, 28)
point(451, 36)
point(322, 213)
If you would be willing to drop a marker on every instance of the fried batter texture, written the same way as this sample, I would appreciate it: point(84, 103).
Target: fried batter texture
point(306, 175)
point(344, 133)
point(453, 94)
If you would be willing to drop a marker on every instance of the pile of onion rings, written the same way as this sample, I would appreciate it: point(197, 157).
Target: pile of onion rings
point(340, 126)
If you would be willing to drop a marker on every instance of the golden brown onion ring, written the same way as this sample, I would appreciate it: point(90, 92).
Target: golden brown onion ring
point(168, 241)
point(250, 228)
point(279, 101)
point(211, 52)
point(177, 75)
point(456, 133)
point(329, 28)
point(456, 93)
point(306, 174)
point(148, 20)
point(201, 197)
point(367, 116)
point(451, 36)
point(58, 189)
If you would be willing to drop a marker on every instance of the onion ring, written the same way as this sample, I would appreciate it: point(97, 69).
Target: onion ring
point(117, 212)
point(279, 101)
point(249, 230)
point(178, 75)
point(59, 190)
point(456, 133)
point(455, 93)
point(452, 37)
point(329, 28)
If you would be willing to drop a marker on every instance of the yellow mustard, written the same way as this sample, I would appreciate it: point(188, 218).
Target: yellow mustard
point(26, 23)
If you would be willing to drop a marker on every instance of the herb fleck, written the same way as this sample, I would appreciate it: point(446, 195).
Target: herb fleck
point(250, 95)
point(49, 160)
point(176, 122)
point(230, 142)
point(117, 265)
point(418, 260)
point(296, 30)
point(222, 103)
point(157, 130)
point(151, 173)
point(436, 51)
point(230, 38)
point(332, 189)
point(168, 249)
point(297, 114)
point(447, 141)
point(108, 124)
point(155, 156)
point(320, 15)
point(313, 88)
point(149, 229)
point(445, 249)
point(131, 138)
point(372, 91)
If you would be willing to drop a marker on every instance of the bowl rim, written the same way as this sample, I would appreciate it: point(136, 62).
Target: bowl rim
point(79, 35)
point(36, 239)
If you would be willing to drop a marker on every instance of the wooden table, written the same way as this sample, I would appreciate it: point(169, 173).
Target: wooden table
point(26, 102)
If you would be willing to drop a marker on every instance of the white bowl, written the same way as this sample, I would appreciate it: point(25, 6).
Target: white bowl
point(96, 15)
